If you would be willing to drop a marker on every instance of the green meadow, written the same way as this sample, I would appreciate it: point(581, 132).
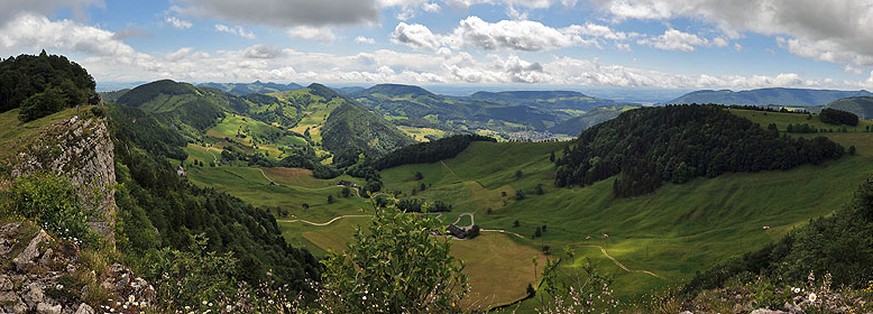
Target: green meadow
point(671, 233)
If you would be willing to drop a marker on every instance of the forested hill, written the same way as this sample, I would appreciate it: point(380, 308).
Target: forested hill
point(860, 106)
point(648, 146)
point(42, 85)
point(427, 152)
point(767, 96)
point(158, 208)
point(351, 130)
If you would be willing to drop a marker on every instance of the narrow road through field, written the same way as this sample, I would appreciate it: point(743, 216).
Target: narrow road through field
point(504, 232)
point(472, 219)
point(620, 265)
point(325, 224)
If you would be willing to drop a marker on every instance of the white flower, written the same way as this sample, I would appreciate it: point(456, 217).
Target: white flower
point(812, 297)
point(131, 298)
point(204, 302)
point(795, 290)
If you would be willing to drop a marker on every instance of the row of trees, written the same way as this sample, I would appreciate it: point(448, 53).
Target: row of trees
point(838, 117)
point(42, 85)
point(677, 143)
point(428, 152)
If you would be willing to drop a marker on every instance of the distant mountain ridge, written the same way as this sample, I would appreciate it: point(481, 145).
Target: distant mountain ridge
point(241, 89)
point(768, 96)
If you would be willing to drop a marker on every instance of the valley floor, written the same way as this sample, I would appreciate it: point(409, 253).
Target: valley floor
point(648, 242)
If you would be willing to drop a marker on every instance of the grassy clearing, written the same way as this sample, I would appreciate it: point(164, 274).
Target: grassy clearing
point(421, 134)
point(495, 258)
point(14, 134)
point(782, 120)
point(673, 232)
point(252, 133)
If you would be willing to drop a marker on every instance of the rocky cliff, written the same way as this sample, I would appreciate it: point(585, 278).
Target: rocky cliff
point(82, 150)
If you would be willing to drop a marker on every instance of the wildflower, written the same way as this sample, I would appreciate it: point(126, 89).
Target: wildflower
point(131, 299)
point(812, 297)
point(204, 302)
point(795, 290)
point(228, 308)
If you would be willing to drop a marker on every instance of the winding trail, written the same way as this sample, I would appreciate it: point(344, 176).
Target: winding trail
point(620, 265)
point(504, 232)
point(450, 170)
point(214, 159)
point(472, 219)
point(328, 223)
point(266, 177)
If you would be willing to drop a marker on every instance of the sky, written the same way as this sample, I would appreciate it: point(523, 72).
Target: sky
point(520, 44)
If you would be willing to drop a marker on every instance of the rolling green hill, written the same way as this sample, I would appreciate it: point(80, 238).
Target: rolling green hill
point(351, 130)
point(767, 96)
point(861, 106)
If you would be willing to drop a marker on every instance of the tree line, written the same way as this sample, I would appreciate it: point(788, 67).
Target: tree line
point(649, 146)
point(44, 84)
point(838, 117)
point(428, 152)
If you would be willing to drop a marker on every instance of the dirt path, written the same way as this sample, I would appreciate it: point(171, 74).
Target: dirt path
point(325, 224)
point(214, 159)
point(504, 232)
point(450, 170)
point(620, 265)
point(472, 219)
point(266, 177)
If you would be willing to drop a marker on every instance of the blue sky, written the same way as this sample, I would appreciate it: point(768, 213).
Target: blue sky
point(519, 44)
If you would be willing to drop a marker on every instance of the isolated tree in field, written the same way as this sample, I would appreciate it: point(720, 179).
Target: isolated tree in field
point(552, 156)
point(330, 199)
point(422, 187)
point(385, 270)
point(518, 174)
point(346, 192)
point(519, 194)
point(516, 223)
point(539, 189)
point(418, 175)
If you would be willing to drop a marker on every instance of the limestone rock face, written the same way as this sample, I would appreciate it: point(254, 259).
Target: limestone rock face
point(39, 278)
point(81, 149)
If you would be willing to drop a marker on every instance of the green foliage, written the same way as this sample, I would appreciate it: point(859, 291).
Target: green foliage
point(51, 201)
point(838, 117)
point(394, 267)
point(841, 245)
point(860, 106)
point(25, 76)
point(43, 104)
point(434, 151)
point(351, 130)
point(160, 209)
point(191, 277)
point(646, 146)
point(520, 195)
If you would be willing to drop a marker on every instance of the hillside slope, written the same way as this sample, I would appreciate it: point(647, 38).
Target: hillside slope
point(351, 130)
point(677, 143)
point(860, 106)
point(767, 96)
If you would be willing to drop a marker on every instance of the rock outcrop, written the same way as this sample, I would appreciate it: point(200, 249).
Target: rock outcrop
point(51, 276)
point(81, 149)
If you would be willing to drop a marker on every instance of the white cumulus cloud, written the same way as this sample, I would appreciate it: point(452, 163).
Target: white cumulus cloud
point(235, 30)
